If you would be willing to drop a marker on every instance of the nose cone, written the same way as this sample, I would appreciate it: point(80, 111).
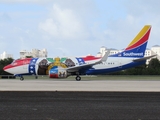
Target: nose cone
point(8, 68)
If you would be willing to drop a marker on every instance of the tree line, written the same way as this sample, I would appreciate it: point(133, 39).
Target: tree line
point(153, 68)
point(4, 62)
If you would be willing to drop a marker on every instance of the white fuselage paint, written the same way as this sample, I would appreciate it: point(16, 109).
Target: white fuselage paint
point(111, 62)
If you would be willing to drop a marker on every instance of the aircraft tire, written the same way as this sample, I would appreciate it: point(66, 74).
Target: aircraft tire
point(78, 78)
point(21, 78)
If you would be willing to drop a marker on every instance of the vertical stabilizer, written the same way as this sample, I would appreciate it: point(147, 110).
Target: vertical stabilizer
point(138, 45)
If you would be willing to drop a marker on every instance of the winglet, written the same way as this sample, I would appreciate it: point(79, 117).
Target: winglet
point(77, 68)
point(104, 58)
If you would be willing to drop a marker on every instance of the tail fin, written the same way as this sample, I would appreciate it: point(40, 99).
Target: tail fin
point(138, 45)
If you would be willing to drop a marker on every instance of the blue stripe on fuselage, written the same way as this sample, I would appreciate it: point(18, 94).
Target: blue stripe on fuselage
point(114, 69)
point(32, 65)
point(137, 52)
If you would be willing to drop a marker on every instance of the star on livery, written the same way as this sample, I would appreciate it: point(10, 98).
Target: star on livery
point(63, 67)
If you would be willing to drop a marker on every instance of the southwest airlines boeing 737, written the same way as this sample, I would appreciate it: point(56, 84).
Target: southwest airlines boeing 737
point(131, 56)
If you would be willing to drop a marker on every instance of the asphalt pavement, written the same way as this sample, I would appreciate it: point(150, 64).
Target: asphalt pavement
point(63, 105)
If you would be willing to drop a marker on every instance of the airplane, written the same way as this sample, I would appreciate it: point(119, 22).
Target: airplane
point(131, 56)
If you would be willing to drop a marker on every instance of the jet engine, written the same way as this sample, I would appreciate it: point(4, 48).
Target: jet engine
point(57, 72)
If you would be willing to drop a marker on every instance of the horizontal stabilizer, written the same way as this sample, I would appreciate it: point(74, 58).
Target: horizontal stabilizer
point(144, 58)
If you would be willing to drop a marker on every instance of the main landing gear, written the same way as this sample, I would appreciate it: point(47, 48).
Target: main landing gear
point(78, 78)
point(21, 78)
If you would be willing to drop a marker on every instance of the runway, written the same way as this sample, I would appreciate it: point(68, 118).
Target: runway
point(88, 85)
point(79, 100)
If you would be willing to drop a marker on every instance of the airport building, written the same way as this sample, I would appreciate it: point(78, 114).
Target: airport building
point(4, 55)
point(104, 49)
point(154, 50)
point(33, 53)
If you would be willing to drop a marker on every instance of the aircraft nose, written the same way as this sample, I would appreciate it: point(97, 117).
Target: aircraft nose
point(6, 68)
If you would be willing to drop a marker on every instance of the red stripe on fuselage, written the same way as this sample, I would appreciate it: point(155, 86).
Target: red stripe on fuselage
point(18, 62)
point(88, 58)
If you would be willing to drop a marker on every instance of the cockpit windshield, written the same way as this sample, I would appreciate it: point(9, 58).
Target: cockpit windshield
point(14, 62)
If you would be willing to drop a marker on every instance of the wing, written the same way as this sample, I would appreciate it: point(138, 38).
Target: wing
point(77, 68)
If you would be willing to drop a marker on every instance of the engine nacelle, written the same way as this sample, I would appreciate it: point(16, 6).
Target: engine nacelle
point(57, 72)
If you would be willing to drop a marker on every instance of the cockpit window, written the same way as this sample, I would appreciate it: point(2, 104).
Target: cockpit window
point(14, 63)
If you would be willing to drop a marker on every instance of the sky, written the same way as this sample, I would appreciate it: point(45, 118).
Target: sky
point(75, 27)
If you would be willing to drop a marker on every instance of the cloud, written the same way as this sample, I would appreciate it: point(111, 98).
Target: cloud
point(142, 7)
point(63, 23)
point(146, 12)
point(77, 27)
point(4, 17)
point(3, 44)
point(25, 1)
point(134, 16)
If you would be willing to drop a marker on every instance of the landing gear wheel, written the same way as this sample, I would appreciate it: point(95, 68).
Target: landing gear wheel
point(21, 78)
point(78, 78)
